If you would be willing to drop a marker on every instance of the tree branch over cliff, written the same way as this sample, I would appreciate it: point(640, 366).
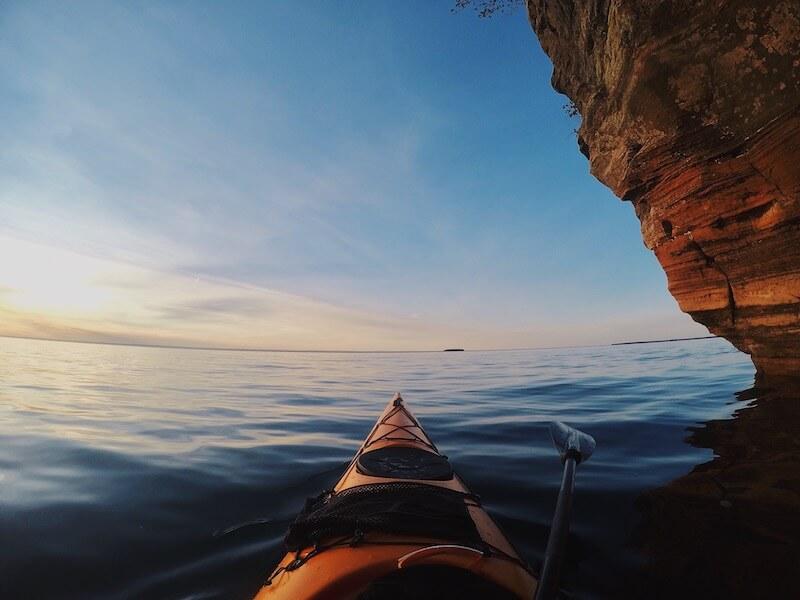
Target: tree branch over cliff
point(488, 8)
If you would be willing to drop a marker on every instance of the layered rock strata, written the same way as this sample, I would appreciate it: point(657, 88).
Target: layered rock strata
point(691, 111)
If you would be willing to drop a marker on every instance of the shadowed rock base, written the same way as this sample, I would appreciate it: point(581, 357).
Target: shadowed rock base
point(731, 527)
point(691, 111)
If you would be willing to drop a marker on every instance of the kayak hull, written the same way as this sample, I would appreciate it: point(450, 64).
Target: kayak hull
point(344, 571)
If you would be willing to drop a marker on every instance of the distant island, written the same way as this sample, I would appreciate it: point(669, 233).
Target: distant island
point(453, 350)
point(704, 337)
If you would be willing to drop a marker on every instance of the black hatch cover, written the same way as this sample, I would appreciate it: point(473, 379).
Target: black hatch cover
point(402, 462)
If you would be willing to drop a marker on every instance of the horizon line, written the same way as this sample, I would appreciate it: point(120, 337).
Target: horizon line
point(222, 348)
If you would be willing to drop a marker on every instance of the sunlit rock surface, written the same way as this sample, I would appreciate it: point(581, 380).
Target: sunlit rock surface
point(691, 111)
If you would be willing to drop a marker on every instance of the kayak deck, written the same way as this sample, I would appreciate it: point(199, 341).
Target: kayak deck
point(398, 508)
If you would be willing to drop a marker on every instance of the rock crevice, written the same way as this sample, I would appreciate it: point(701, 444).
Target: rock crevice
point(691, 111)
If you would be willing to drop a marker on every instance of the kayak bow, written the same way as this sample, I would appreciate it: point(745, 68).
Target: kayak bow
point(399, 518)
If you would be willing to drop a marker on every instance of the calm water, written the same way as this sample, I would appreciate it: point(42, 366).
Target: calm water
point(122, 467)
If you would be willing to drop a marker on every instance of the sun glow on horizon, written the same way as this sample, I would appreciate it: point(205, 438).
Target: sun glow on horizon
point(53, 292)
point(51, 280)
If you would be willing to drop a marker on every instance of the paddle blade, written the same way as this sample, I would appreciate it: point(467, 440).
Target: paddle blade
point(569, 440)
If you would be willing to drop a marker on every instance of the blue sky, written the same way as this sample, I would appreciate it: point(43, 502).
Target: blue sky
point(304, 175)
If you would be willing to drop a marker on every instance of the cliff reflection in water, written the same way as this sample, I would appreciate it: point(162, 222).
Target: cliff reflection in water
point(731, 527)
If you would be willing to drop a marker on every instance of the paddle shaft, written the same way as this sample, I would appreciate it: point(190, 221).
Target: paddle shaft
point(559, 530)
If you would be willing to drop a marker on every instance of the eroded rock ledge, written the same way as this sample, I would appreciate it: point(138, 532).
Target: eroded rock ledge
point(691, 111)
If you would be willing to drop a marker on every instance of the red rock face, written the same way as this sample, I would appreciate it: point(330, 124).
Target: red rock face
point(691, 111)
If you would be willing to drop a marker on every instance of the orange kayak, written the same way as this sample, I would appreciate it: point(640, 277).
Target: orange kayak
point(398, 524)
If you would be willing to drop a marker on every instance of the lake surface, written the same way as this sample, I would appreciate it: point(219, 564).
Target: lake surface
point(124, 471)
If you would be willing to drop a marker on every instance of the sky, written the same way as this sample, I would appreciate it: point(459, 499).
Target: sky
point(315, 175)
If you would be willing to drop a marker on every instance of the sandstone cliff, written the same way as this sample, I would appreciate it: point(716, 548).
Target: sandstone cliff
point(691, 111)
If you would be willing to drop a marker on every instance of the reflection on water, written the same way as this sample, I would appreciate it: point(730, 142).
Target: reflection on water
point(122, 468)
point(731, 527)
